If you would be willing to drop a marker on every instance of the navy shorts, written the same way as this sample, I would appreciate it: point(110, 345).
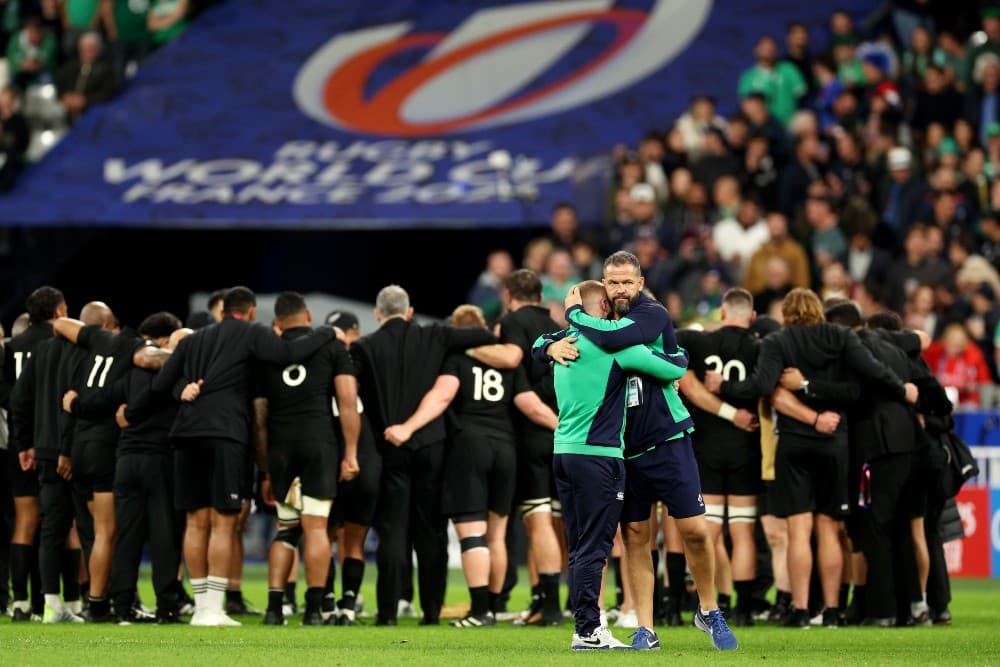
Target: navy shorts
point(667, 474)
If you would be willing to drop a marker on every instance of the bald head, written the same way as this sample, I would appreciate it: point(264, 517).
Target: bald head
point(22, 322)
point(97, 313)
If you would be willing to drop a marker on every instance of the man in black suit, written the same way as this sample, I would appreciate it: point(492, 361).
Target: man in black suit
point(85, 80)
point(397, 366)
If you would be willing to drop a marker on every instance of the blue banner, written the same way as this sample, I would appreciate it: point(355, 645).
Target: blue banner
point(395, 113)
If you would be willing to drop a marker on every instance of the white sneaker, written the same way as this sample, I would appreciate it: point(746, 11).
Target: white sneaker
point(404, 609)
point(213, 619)
point(601, 638)
point(61, 615)
point(627, 619)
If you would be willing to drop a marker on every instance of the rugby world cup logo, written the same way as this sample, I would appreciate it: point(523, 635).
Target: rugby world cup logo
point(501, 66)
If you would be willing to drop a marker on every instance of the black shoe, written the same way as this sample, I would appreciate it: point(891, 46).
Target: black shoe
point(938, 617)
point(429, 621)
point(21, 616)
point(313, 618)
point(90, 616)
point(480, 621)
point(240, 608)
point(740, 618)
point(853, 615)
point(385, 621)
point(168, 617)
point(831, 618)
point(779, 612)
point(888, 622)
point(674, 619)
point(797, 618)
point(132, 616)
point(551, 620)
point(273, 617)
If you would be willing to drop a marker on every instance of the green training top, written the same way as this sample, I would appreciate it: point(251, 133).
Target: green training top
point(591, 392)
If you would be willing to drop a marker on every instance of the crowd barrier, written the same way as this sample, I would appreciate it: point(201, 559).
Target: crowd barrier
point(978, 554)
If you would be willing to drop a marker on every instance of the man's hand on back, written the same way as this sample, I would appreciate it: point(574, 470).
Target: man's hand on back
point(563, 350)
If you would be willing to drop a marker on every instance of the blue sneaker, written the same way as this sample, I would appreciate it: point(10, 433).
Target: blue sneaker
point(645, 639)
point(714, 625)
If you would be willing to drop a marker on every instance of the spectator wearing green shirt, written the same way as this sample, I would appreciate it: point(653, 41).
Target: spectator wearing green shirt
point(167, 19)
point(849, 69)
point(125, 22)
point(779, 82)
point(950, 55)
point(79, 16)
point(31, 54)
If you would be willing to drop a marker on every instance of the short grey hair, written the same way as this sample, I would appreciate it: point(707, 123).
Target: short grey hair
point(392, 300)
point(92, 36)
point(623, 258)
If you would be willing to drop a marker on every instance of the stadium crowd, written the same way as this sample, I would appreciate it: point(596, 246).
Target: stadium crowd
point(863, 168)
point(60, 57)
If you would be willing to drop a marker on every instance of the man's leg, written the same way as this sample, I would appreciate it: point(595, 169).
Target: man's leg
point(23, 552)
point(496, 533)
point(715, 517)
point(800, 558)
point(316, 552)
point(220, 553)
point(776, 533)
point(590, 488)
point(164, 547)
point(429, 530)
point(131, 513)
point(234, 588)
point(475, 564)
point(103, 507)
point(742, 522)
point(393, 527)
point(57, 517)
point(352, 549)
point(280, 560)
point(640, 568)
point(6, 529)
point(700, 554)
point(831, 558)
point(545, 557)
point(196, 534)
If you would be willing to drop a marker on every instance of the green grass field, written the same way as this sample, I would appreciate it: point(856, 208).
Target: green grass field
point(974, 639)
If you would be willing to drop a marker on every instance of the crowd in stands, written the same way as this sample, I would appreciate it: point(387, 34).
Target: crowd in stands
point(60, 57)
point(865, 167)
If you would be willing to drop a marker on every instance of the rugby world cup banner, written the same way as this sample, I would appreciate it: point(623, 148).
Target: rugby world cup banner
point(312, 113)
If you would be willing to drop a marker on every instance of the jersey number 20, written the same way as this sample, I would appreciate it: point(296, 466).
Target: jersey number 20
point(727, 369)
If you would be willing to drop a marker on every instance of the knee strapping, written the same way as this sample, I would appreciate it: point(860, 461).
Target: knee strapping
point(742, 514)
point(715, 513)
point(473, 542)
point(316, 506)
point(289, 536)
point(556, 508)
point(536, 505)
